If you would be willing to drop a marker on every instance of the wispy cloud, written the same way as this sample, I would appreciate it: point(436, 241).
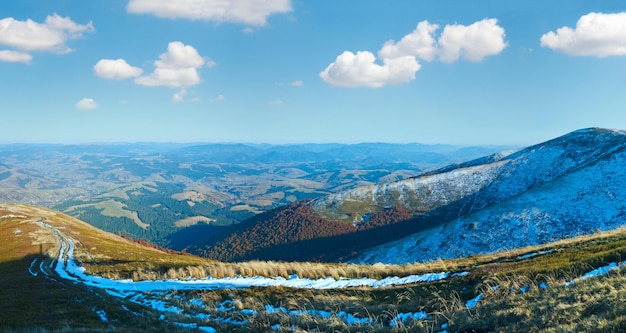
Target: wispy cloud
point(249, 12)
point(179, 96)
point(219, 98)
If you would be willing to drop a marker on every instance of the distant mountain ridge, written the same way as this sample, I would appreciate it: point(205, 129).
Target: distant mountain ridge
point(156, 191)
point(531, 196)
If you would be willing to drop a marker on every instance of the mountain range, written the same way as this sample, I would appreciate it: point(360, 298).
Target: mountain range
point(364, 203)
point(526, 227)
point(156, 191)
point(568, 186)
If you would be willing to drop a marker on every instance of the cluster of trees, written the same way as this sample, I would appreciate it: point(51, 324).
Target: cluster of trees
point(286, 225)
point(295, 233)
point(386, 217)
point(157, 209)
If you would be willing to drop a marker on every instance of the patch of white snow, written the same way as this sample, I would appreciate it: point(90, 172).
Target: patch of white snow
point(474, 301)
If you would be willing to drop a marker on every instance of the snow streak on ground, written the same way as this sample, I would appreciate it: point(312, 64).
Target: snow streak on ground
point(153, 293)
point(597, 272)
point(70, 270)
point(470, 304)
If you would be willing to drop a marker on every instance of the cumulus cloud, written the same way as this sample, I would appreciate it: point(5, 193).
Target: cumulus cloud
point(178, 67)
point(117, 69)
point(276, 102)
point(15, 56)
point(419, 43)
point(249, 12)
point(398, 61)
point(596, 34)
point(86, 104)
point(360, 70)
point(473, 42)
point(297, 83)
point(51, 36)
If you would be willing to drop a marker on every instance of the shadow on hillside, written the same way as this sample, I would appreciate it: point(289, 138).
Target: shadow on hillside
point(31, 301)
point(346, 246)
point(206, 233)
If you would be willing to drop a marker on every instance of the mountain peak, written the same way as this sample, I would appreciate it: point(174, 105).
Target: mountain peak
point(563, 187)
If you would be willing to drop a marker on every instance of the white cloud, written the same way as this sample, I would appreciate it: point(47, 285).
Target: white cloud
point(178, 67)
point(249, 12)
point(51, 36)
point(15, 56)
point(116, 69)
point(179, 96)
point(219, 98)
point(419, 43)
point(210, 63)
point(473, 42)
point(276, 102)
point(399, 59)
point(297, 83)
point(360, 70)
point(86, 104)
point(596, 34)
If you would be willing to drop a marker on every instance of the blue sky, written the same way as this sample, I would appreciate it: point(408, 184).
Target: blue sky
point(291, 71)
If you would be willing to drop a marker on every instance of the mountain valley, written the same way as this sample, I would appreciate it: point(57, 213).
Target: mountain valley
point(513, 241)
point(562, 188)
point(156, 191)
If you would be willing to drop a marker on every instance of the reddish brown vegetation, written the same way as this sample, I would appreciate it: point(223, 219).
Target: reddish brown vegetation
point(386, 217)
point(295, 233)
point(290, 224)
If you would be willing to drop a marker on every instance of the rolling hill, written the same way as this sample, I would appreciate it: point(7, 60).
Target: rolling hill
point(568, 186)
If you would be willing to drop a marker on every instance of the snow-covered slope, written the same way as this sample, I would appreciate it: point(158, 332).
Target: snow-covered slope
point(572, 185)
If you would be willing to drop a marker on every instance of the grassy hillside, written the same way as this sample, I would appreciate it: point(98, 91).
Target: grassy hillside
point(523, 290)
